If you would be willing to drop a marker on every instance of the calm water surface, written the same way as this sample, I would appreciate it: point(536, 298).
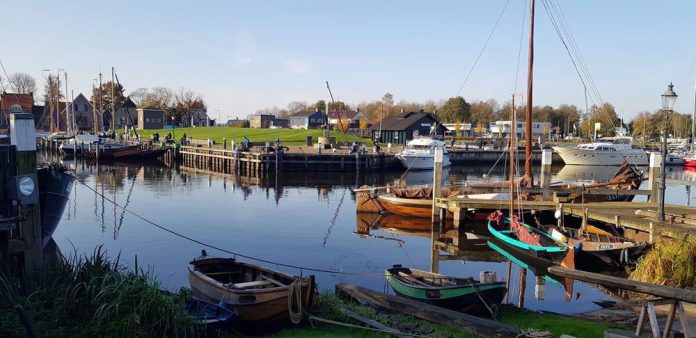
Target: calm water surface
point(301, 219)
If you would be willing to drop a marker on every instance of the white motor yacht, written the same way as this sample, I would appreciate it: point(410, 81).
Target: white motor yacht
point(604, 151)
point(419, 154)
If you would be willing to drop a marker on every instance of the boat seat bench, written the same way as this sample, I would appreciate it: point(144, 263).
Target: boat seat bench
point(248, 285)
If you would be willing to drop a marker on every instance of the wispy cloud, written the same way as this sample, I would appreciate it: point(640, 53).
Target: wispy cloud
point(240, 61)
point(297, 66)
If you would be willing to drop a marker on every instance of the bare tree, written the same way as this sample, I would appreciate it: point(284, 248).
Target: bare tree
point(52, 89)
point(297, 106)
point(157, 97)
point(186, 102)
point(138, 95)
point(22, 83)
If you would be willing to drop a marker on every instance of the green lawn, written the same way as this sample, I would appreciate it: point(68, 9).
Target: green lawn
point(287, 136)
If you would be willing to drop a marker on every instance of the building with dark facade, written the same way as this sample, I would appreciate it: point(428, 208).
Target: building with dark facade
point(401, 128)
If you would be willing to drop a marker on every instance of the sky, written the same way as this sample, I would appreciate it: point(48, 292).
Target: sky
point(241, 56)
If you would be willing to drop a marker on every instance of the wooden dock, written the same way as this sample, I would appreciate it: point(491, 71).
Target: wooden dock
point(637, 216)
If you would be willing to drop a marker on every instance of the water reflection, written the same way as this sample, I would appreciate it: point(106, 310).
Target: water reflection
point(307, 219)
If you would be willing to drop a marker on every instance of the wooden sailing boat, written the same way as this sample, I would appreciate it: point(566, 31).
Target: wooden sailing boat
point(511, 229)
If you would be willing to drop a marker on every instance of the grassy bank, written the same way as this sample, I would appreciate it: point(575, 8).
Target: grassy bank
point(288, 137)
point(669, 262)
point(95, 297)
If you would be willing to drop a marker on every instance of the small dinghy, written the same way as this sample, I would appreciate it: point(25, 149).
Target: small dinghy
point(460, 294)
point(258, 294)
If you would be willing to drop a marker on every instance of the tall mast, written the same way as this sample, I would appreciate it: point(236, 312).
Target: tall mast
point(693, 122)
point(95, 124)
point(101, 107)
point(72, 112)
point(113, 103)
point(68, 127)
point(51, 100)
point(512, 156)
point(528, 111)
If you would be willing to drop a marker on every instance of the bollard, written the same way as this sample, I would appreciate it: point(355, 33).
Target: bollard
point(654, 175)
point(224, 143)
point(437, 181)
point(546, 159)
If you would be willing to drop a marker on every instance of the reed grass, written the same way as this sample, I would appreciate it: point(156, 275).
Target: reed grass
point(670, 263)
point(94, 296)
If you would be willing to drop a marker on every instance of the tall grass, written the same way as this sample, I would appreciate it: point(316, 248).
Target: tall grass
point(669, 262)
point(93, 296)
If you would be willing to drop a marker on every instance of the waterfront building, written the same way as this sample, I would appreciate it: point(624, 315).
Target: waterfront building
point(150, 118)
point(14, 103)
point(307, 120)
point(261, 120)
point(501, 129)
point(401, 128)
point(126, 115)
point(83, 110)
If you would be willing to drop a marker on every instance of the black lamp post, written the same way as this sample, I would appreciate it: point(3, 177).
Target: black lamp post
point(668, 99)
point(173, 130)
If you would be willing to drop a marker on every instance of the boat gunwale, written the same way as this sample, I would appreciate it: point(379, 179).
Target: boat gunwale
point(500, 234)
point(472, 283)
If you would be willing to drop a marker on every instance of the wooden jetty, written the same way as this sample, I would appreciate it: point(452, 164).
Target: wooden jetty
point(675, 297)
point(234, 161)
point(637, 216)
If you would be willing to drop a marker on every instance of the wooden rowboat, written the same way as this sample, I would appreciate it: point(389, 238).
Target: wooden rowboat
point(595, 245)
point(460, 294)
point(259, 295)
point(527, 238)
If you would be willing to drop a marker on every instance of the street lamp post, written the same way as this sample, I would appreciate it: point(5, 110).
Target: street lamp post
point(173, 130)
point(668, 99)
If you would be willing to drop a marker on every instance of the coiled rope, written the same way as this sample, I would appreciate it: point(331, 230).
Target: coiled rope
point(295, 310)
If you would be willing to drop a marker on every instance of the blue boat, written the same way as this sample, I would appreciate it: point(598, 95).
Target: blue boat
point(531, 240)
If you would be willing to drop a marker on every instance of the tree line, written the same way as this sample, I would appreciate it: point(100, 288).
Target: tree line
point(566, 119)
point(179, 104)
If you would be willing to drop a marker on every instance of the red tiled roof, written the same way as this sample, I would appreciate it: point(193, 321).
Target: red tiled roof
point(24, 100)
point(345, 114)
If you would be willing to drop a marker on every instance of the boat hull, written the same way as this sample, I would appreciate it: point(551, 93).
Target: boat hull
point(422, 161)
point(412, 207)
point(575, 156)
point(256, 307)
point(463, 298)
point(54, 191)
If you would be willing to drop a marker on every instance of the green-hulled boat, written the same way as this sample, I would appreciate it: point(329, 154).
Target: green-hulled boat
point(460, 294)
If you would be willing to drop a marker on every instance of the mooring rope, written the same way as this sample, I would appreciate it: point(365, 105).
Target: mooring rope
point(295, 310)
point(214, 247)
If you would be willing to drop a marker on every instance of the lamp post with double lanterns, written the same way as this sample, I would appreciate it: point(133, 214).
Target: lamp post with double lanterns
point(668, 99)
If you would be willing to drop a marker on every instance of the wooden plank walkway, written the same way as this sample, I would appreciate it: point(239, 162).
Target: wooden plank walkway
point(640, 216)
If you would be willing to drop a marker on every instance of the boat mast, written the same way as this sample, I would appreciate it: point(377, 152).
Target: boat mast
point(68, 127)
point(113, 103)
point(101, 107)
point(95, 123)
point(529, 180)
point(512, 156)
point(693, 122)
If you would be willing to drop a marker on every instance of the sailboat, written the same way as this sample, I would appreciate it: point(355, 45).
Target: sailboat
point(512, 230)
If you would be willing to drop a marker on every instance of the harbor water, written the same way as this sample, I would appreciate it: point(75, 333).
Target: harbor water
point(302, 219)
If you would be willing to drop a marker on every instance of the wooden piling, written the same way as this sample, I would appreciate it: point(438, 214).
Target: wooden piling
point(23, 137)
point(437, 181)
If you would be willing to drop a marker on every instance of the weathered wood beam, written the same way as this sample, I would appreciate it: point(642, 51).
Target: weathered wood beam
point(625, 284)
point(471, 324)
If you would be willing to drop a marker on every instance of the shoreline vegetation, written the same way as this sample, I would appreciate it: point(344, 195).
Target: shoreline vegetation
point(670, 263)
point(84, 296)
point(288, 137)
